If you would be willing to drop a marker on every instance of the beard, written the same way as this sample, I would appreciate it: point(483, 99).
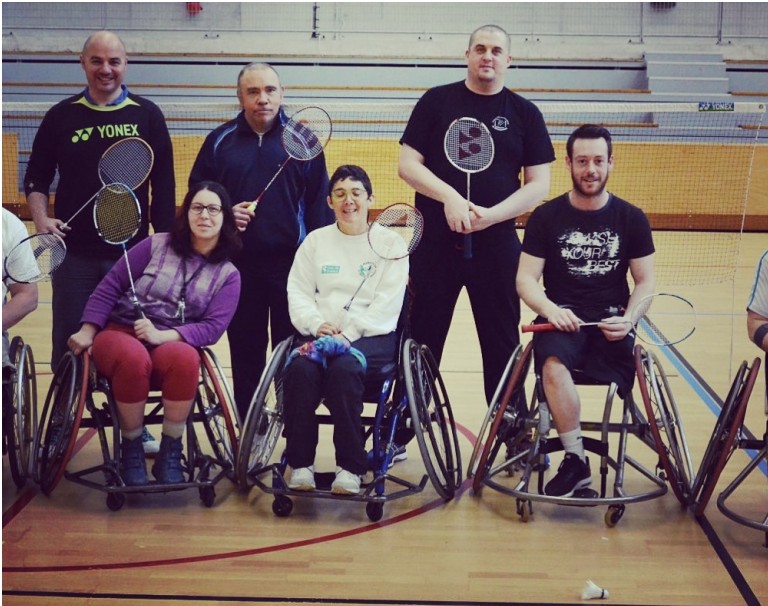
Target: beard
point(589, 194)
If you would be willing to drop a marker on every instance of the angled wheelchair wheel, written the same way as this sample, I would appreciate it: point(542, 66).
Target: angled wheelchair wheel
point(19, 410)
point(264, 423)
point(214, 404)
point(490, 414)
point(507, 422)
point(665, 424)
point(727, 427)
point(60, 420)
point(25, 409)
point(432, 419)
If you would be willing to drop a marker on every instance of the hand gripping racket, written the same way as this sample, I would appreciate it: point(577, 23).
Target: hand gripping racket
point(674, 320)
point(127, 162)
point(469, 147)
point(394, 235)
point(304, 137)
point(34, 259)
point(117, 217)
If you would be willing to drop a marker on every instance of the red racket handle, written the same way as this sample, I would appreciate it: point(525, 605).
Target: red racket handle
point(546, 327)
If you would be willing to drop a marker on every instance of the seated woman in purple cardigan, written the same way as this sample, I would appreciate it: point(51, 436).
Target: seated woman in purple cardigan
point(188, 290)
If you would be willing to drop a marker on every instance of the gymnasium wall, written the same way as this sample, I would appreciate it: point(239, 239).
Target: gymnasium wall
point(378, 51)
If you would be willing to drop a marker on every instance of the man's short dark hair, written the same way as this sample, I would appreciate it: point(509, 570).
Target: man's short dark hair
point(589, 131)
point(491, 28)
point(350, 171)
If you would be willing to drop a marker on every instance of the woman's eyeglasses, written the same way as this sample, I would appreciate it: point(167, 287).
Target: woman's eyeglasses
point(213, 209)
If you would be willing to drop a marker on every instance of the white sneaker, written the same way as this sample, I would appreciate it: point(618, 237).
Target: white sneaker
point(346, 482)
point(149, 442)
point(400, 455)
point(302, 478)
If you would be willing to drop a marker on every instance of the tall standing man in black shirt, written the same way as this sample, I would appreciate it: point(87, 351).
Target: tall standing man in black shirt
point(438, 268)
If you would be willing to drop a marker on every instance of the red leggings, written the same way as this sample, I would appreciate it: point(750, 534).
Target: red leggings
point(133, 369)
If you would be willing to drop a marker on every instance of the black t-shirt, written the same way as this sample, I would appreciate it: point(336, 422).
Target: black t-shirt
point(587, 253)
point(520, 139)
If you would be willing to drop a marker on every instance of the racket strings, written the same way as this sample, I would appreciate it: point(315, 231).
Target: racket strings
point(35, 258)
point(404, 221)
point(664, 319)
point(469, 145)
point(128, 161)
point(117, 215)
point(306, 133)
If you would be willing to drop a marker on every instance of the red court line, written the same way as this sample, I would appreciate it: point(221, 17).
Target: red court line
point(256, 551)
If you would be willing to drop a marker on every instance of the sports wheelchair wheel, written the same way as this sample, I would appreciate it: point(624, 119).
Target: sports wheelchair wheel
point(432, 419)
point(511, 416)
point(20, 411)
point(214, 404)
point(490, 414)
point(665, 424)
point(264, 423)
point(60, 419)
point(721, 444)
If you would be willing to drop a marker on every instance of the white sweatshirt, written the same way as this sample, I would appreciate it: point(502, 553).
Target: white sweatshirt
point(329, 267)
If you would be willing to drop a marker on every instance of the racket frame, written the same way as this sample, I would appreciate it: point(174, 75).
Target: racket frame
point(41, 276)
point(638, 315)
point(485, 134)
point(287, 129)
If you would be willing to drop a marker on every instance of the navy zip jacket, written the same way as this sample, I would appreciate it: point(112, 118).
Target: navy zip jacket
point(244, 163)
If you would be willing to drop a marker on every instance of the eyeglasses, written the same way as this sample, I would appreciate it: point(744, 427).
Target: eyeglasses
point(341, 194)
point(214, 210)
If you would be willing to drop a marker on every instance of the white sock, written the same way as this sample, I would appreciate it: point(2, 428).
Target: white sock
point(132, 434)
point(572, 443)
point(173, 430)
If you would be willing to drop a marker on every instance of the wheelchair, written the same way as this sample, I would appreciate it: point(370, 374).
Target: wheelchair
point(523, 430)
point(409, 397)
point(77, 386)
point(19, 410)
point(729, 435)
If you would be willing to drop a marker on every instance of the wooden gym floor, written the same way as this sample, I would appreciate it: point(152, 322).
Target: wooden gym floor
point(69, 549)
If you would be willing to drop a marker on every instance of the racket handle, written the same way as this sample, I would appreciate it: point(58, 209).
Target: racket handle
point(137, 308)
point(252, 206)
point(545, 327)
point(468, 246)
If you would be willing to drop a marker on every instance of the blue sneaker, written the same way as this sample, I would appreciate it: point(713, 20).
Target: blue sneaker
point(133, 468)
point(167, 468)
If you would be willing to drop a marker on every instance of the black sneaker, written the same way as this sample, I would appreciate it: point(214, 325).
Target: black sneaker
point(572, 475)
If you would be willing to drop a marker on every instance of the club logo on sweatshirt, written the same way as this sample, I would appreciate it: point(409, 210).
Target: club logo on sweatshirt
point(107, 131)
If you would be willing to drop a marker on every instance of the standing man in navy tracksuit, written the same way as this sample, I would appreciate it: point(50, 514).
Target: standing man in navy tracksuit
point(243, 155)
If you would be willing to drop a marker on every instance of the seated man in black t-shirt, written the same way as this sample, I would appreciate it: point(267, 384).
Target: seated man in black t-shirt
point(583, 243)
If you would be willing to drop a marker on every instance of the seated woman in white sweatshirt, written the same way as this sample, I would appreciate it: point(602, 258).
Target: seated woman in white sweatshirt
point(344, 302)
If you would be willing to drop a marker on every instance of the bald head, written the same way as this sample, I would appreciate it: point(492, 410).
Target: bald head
point(104, 62)
point(104, 37)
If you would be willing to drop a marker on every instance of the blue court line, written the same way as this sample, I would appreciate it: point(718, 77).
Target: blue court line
point(713, 402)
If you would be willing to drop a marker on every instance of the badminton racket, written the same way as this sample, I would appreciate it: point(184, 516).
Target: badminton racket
point(304, 137)
point(674, 320)
point(394, 235)
point(117, 217)
point(34, 259)
point(469, 147)
point(127, 162)
point(396, 231)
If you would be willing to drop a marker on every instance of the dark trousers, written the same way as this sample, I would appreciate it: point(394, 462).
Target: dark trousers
point(262, 312)
point(73, 282)
point(439, 272)
point(340, 385)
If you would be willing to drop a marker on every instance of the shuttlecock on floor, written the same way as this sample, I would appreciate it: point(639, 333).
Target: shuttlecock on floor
point(593, 592)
